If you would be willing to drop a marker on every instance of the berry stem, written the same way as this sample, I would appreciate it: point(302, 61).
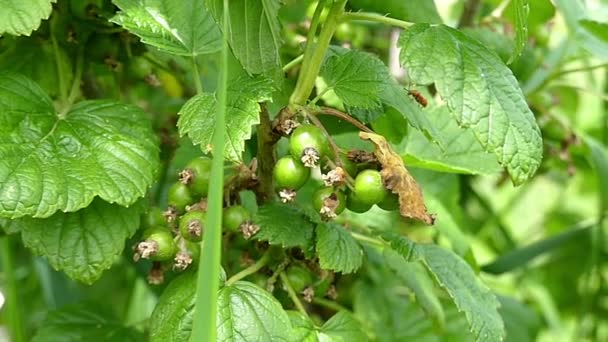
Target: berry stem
point(343, 116)
point(332, 144)
point(329, 304)
point(292, 294)
point(250, 270)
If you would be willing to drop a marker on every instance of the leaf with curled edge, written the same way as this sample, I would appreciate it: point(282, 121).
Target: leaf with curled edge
point(398, 180)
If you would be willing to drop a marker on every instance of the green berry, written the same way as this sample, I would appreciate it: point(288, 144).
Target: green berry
point(179, 196)
point(234, 216)
point(140, 67)
point(289, 173)
point(369, 188)
point(390, 202)
point(299, 277)
point(354, 204)
point(154, 217)
point(309, 144)
point(191, 225)
point(196, 175)
point(157, 244)
point(335, 207)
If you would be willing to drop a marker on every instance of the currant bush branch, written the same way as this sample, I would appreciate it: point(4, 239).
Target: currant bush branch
point(250, 270)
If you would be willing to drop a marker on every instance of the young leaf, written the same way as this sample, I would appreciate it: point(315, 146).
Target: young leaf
point(23, 17)
point(254, 32)
point(480, 91)
point(285, 225)
point(522, 9)
point(337, 249)
point(398, 179)
point(197, 119)
point(343, 326)
point(462, 152)
point(178, 27)
point(85, 322)
point(355, 77)
point(420, 11)
point(82, 244)
point(53, 161)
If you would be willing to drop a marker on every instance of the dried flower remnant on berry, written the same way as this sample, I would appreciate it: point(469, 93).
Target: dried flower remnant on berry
point(156, 276)
point(249, 229)
point(334, 177)
point(145, 249)
point(182, 260)
point(308, 294)
point(287, 195)
point(186, 176)
point(310, 157)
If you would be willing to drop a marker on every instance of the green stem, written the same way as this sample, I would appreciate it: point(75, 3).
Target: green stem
point(310, 37)
point(329, 304)
point(313, 57)
point(570, 71)
point(205, 313)
point(293, 63)
point(249, 270)
point(61, 72)
point(367, 239)
point(292, 294)
point(363, 16)
point(197, 76)
point(75, 88)
point(12, 296)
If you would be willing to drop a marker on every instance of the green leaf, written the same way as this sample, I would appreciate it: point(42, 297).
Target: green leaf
point(585, 35)
point(599, 159)
point(597, 29)
point(53, 161)
point(197, 116)
point(522, 10)
point(254, 32)
point(480, 91)
point(84, 322)
point(337, 249)
point(22, 17)
point(178, 27)
point(355, 77)
point(343, 326)
point(284, 225)
point(304, 329)
point(522, 322)
point(82, 244)
point(172, 318)
point(462, 152)
point(420, 11)
point(454, 275)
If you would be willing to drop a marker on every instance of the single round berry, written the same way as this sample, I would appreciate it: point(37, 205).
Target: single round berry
point(328, 202)
point(179, 196)
point(289, 173)
point(369, 188)
point(309, 144)
point(354, 204)
point(299, 277)
point(234, 216)
point(157, 244)
point(154, 217)
point(196, 175)
point(140, 67)
point(390, 202)
point(192, 224)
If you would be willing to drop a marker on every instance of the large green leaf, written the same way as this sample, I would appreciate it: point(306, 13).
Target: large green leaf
point(179, 27)
point(587, 33)
point(419, 11)
point(82, 244)
point(522, 322)
point(458, 279)
point(284, 225)
point(23, 17)
point(245, 313)
point(84, 322)
point(462, 152)
point(197, 116)
point(254, 32)
point(337, 249)
point(480, 91)
point(355, 77)
point(522, 10)
point(341, 327)
point(53, 161)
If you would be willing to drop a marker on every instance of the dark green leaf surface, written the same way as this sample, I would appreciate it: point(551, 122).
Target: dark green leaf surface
point(84, 322)
point(480, 91)
point(419, 11)
point(304, 329)
point(355, 77)
point(522, 322)
point(172, 318)
point(284, 225)
point(82, 244)
point(23, 17)
point(179, 27)
point(197, 116)
point(522, 10)
point(343, 326)
point(337, 249)
point(60, 161)
point(254, 32)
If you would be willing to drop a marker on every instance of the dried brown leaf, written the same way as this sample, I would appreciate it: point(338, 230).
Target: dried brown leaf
point(397, 179)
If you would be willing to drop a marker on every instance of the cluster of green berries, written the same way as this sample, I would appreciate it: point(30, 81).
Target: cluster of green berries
point(308, 146)
point(171, 238)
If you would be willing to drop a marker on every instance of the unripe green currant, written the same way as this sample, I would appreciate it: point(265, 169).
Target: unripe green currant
point(196, 175)
point(179, 196)
point(354, 204)
point(234, 216)
point(157, 245)
point(299, 277)
point(369, 188)
point(154, 217)
point(191, 225)
point(328, 202)
point(308, 144)
point(140, 67)
point(390, 202)
point(290, 173)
